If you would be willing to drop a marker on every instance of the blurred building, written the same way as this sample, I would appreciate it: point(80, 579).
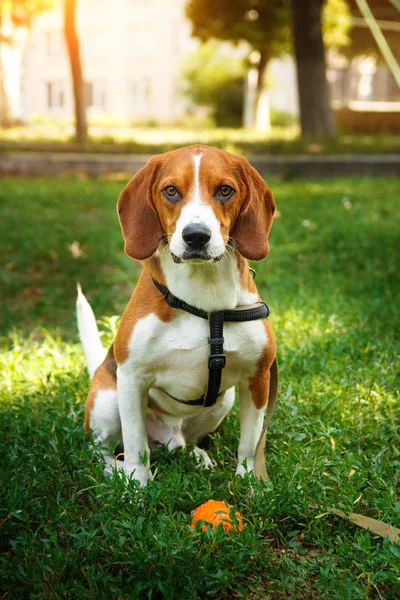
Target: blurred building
point(364, 92)
point(132, 53)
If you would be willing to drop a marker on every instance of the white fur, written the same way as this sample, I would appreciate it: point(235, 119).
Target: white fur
point(209, 286)
point(88, 333)
point(132, 403)
point(104, 418)
point(198, 211)
point(251, 424)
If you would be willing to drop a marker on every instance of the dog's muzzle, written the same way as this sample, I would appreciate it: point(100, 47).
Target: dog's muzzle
point(196, 236)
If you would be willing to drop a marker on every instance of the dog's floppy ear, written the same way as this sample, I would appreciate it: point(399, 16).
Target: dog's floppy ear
point(138, 217)
point(252, 227)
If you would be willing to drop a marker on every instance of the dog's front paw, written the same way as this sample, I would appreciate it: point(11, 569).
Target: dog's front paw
point(132, 471)
point(245, 466)
point(138, 472)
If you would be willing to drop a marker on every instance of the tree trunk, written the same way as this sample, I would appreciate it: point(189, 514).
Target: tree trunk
point(5, 109)
point(76, 70)
point(315, 113)
point(261, 70)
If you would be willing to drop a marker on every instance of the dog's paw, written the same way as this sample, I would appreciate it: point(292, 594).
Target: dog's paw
point(245, 466)
point(136, 471)
point(139, 473)
point(202, 459)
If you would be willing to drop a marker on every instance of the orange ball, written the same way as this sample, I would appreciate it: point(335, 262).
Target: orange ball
point(214, 512)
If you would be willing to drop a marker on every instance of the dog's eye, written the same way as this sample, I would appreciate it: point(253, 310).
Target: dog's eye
point(171, 193)
point(224, 192)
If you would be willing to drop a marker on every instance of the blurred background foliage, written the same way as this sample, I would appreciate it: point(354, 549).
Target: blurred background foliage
point(231, 63)
point(215, 82)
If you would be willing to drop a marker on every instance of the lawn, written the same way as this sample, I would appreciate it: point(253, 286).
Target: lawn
point(332, 282)
point(127, 138)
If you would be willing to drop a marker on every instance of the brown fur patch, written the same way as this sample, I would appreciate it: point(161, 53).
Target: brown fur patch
point(259, 381)
point(251, 228)
point(246, 279)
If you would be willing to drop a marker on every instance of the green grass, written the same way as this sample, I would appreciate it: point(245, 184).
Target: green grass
point(332, 281)
point(125, 138)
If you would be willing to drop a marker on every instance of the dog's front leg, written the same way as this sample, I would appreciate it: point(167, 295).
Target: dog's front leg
point(132, 403)
point(251, 424)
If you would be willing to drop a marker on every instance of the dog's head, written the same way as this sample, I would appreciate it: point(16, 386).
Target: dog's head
point(197, 200)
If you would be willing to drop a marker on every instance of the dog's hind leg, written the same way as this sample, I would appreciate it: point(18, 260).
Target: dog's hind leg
point(102, 418)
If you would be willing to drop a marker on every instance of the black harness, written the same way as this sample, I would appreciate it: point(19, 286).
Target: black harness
point(216, 319)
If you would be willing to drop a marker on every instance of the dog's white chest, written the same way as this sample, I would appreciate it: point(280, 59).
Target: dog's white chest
point(176, 354)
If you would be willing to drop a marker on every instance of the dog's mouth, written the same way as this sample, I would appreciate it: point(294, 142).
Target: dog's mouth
point(195, 257)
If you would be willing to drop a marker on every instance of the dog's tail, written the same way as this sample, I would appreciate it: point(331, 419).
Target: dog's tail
point(89, 334)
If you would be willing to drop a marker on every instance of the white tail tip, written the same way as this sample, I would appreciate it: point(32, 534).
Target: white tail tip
point(88, 332)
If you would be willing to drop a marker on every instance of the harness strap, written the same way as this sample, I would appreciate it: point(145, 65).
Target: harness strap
point(175, 302)
point(234, 315)
point(217, 358)
point(196, 402)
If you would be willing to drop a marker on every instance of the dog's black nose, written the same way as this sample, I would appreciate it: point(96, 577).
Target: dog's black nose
point(196, 235)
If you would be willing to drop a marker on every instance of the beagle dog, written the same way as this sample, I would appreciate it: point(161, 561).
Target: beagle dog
point(192, 217)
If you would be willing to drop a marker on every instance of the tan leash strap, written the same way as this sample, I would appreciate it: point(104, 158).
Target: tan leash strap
point(260, 469)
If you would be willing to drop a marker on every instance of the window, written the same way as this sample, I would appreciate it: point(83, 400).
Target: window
point(95, 94)
point(141, 97)
point(55, 94)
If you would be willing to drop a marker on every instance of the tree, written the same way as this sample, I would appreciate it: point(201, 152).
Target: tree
point(215, 81)
point(316, 117)
point(263, 24)
point(15, 19)
point(76, 70)
point(336, 24)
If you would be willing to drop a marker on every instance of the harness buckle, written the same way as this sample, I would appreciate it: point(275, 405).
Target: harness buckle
point(216, 361)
